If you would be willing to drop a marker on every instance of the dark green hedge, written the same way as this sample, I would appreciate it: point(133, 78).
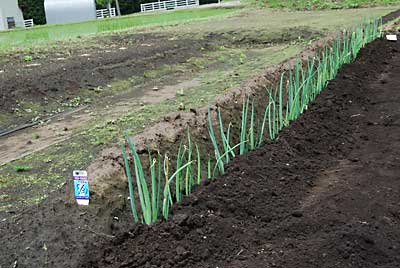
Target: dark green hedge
point(33, 9)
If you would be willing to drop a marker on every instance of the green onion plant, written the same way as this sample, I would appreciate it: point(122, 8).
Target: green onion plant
point(152, 196)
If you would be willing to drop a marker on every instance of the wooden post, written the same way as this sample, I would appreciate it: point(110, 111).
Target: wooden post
point(117, 7)
point(109, 8)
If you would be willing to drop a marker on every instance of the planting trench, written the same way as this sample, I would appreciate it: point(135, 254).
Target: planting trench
point(303, 201)
point(325, 194)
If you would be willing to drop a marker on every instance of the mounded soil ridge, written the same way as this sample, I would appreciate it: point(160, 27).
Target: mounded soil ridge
point(325, 194)
point(107, 170)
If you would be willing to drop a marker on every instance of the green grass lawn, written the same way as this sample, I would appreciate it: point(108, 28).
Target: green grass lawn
point(40, 34)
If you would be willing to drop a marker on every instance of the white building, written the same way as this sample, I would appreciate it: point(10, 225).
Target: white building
point(10, 15)
point(66, 11)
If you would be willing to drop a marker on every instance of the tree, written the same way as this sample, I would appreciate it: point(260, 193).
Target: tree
point(108, 4)
point(33, 9)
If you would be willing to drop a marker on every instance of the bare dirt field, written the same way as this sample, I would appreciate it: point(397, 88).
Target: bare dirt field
point(325, 194)
point(73, 99)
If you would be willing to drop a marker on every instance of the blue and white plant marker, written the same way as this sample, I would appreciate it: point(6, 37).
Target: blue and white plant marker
point(81, 187)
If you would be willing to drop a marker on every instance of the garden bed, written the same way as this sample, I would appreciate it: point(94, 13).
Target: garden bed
point(235, 51)
point(302, 201)
point(326, 194)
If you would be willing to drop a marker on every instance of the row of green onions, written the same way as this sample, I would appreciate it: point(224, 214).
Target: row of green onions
point(152, 196)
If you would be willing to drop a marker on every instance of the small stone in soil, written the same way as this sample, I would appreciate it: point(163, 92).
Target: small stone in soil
point(297, 214)
point(180, 250)
point(179, 218)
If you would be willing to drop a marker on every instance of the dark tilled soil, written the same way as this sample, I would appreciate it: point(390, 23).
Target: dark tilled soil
point(326, 194)
point(58, 78)
point(59, 75)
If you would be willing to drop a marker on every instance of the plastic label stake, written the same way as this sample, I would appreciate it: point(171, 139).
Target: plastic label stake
point(391, 37)
point(81, 187)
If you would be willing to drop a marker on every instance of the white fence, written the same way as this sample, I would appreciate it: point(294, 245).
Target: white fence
point(104, 13)
point(168, 5)
point(28, 23)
